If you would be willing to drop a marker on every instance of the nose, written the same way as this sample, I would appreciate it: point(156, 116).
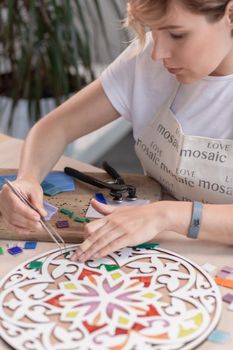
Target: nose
point(160, 50)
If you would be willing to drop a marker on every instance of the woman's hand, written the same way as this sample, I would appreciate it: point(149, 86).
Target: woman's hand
point(18, 216)
point(121, 227)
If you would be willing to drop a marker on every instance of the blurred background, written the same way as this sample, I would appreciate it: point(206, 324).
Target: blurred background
point(49, 49)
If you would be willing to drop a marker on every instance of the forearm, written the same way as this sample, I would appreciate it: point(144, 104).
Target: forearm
point(216, 223)
point(41, 150)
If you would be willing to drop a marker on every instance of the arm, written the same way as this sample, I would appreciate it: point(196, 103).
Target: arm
point(86, 111)
point(216, 225)
point(127, 226)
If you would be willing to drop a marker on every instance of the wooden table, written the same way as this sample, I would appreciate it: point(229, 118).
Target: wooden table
point(199, 252)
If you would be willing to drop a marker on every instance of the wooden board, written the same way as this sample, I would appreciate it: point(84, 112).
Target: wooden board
point(78, 202)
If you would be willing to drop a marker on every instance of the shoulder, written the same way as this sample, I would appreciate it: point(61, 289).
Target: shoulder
point(135, 84)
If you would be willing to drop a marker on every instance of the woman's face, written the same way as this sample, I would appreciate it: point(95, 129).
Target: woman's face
point(191, 47)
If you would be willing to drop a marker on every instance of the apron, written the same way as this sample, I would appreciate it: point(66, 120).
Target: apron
point(190, 168)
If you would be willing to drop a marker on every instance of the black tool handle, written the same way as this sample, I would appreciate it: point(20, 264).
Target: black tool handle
point(93, 181)
point(111, 171)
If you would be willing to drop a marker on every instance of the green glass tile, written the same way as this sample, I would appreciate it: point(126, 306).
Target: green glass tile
point(111, 267)
point(1, 251)
point(65, 211)
point(35, 264)
point(146, 245)
point(77, 219)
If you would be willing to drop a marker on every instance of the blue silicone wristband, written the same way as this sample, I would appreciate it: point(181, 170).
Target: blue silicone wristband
point(195, 224)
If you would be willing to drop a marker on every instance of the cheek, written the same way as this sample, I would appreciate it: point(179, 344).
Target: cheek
point(205, 55)
point(195, 62)
point(198, 59)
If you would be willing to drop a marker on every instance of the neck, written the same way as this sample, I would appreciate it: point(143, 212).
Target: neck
point(226, 66)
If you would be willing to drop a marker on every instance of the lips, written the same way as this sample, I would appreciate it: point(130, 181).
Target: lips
point(174, 70)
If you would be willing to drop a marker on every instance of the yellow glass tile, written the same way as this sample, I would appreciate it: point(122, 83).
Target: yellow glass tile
point(198, 319)
point(149, 295)
point(72, 314)
point(197, 322)
point(70, 286)
point(116, 275)
point(123, 320)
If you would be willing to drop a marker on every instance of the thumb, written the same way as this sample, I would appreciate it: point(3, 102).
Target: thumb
point(102, 208)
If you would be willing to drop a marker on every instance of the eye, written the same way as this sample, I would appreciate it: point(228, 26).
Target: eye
point(177, 36)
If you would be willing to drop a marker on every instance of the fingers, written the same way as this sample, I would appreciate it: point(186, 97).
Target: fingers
point(102, 237)
point(123, 227)
point(104, 247)
point(18, 229)
point(102, 208)
point(114, 245)
point(16, 214)
point(18, 220)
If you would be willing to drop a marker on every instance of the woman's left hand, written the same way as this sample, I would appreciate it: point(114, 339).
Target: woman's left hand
point(121, 227)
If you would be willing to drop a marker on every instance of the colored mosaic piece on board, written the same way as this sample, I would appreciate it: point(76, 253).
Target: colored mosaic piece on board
point(61, 180)
point(224, 282)
point(228, 298)
point(219, 337)
point(51, 210)
point(30, 245)
point(155, 299)
point(100, 198)
point(66, 255)
point(147, 245)
point(209, 267)
point(227, 269)
point(10, 177)
point(71, 215)
point(1, 250)
point(54, 182)
point(83, 220)
point(15, 250)
point(65, 211)
point(62, 224)
point(35, 264)
point(223, 274)
point(50, 189)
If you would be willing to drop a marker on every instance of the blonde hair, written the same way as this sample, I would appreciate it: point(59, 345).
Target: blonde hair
point(143, 12)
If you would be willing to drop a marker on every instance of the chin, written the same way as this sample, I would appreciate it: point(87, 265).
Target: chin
point(185, 79)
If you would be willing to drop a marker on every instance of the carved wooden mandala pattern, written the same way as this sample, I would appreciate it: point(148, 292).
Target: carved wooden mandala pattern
point(136, 298)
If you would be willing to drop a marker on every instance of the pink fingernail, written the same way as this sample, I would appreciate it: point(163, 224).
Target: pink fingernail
point(73, 257)
point(81, 259)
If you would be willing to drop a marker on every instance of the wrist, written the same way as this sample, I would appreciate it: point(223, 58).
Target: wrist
point(195, 224)
point(176, 216)
point(28, 176)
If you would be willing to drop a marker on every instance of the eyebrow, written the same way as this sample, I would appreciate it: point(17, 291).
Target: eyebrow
point(170, 27)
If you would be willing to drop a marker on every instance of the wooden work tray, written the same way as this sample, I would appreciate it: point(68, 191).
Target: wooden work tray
point(78, 202)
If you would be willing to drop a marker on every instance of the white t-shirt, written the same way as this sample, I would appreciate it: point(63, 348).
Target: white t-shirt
point(138, 86)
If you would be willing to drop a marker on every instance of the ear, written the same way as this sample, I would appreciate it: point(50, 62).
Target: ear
point(229, 13)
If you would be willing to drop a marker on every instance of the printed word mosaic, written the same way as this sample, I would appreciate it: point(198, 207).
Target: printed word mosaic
point(135, 298)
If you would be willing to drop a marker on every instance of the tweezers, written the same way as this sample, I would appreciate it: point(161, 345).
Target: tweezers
point(47, 227)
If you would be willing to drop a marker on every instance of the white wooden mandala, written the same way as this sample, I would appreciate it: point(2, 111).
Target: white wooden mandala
point(136, 298)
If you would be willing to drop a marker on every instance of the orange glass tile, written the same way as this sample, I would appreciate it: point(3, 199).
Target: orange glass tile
point(224, 282)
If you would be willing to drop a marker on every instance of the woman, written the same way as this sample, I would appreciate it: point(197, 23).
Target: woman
point(176, 88)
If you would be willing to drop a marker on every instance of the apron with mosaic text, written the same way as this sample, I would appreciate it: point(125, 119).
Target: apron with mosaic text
point(188, 167)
